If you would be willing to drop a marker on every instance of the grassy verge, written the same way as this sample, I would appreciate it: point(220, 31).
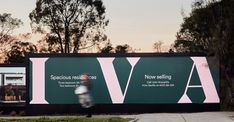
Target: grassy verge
point(76, 119)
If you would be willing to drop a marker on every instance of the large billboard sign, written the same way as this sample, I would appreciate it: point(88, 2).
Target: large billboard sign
point(137, 79)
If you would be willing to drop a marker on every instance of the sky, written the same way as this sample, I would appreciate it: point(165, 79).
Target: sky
point(12, 70)
point(138, 23)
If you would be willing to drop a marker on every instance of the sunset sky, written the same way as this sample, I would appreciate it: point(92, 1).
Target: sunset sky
point(138, 23)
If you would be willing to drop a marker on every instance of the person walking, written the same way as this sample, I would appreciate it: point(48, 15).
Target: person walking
point(84, 93)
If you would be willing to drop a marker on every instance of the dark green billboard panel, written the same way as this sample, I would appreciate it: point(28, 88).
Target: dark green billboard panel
point(125, 80)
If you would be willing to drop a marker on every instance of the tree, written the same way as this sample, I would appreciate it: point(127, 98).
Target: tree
point(84, 20)
point(122, 48)
point(199, 28)
point(185, 46)
point(7, 25)
point(19, 50)
point(171, 50)
point(48, 44)
point(212, 27)
point(6, 44)
point(158, 46)
point(107, 48)
point(225, 49)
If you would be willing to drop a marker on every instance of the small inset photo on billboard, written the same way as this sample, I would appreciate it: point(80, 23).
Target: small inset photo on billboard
point(12, 85)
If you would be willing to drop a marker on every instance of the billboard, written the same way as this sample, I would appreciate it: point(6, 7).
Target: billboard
point(137, 79)
point(12, 85)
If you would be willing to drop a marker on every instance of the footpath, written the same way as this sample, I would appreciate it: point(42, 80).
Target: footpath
point(159, 117)
point(185, 117)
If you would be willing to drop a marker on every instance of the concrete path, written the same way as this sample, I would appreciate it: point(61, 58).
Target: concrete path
point(161, 117)
point(184, 117)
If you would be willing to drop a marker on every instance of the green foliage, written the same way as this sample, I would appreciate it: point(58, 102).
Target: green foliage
point(18, 51)
point(210, 29)
point(107, 49)
point(82, 19)
point(197, 33)
point(118, 49)
point(122, 48)
point(185, 46)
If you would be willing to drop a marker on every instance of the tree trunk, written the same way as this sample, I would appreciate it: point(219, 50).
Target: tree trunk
point(76, 45)
point(60, 42)
point(67, 38)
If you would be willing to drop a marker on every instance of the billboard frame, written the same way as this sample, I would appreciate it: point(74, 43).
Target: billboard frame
point(118, 108)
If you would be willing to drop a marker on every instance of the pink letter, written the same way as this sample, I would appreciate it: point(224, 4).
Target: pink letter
point(38, 81)
point(206, 80)
point(116, 94)
point(207, 83)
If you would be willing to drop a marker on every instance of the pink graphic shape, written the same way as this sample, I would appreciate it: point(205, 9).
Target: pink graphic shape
point(185, 99)
point(38, 81)
point(111, 79)
point(206, 79)
point(133, 62)
point(116, 94)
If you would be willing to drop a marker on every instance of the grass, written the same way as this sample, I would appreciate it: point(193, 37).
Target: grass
point(76, 119)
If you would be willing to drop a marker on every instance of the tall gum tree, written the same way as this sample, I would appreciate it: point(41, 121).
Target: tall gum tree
point(84, 20)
